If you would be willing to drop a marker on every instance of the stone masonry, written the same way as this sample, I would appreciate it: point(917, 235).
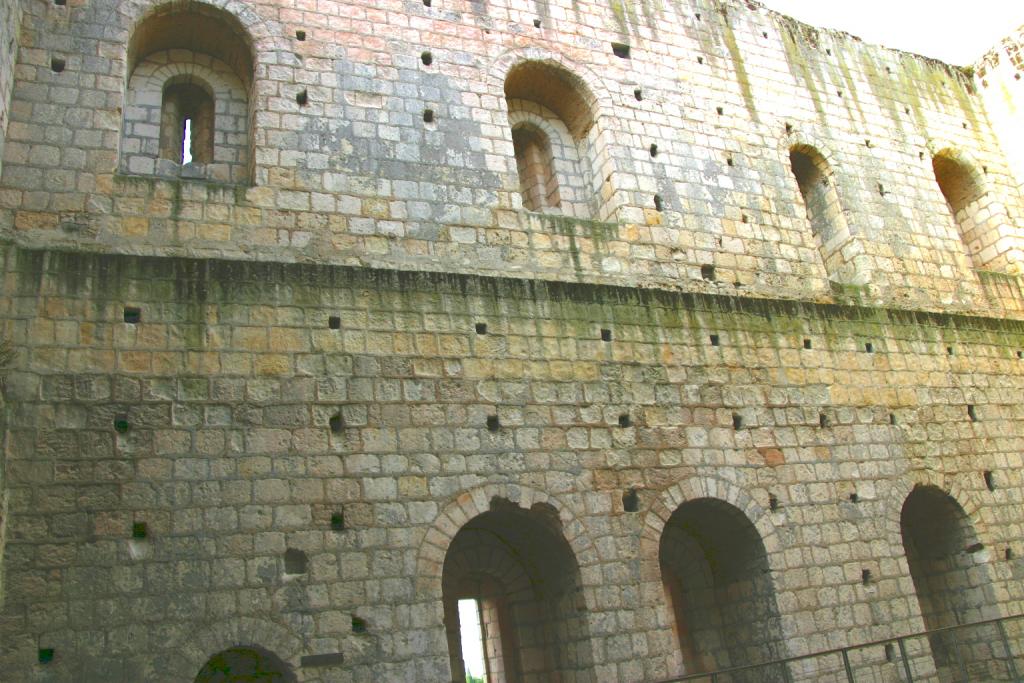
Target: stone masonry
point(678, 335)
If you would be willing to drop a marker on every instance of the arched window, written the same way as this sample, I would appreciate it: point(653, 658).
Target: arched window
point(245, 665)
point(716, 576)
point(186, 121)
point(950, 579)
point(512, 601)
point(823, 210)
point(536, 165)
point(190, 70)
point(962, 187)
point(551, 115)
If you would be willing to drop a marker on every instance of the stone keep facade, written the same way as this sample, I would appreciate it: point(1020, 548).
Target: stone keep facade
point(679, 335)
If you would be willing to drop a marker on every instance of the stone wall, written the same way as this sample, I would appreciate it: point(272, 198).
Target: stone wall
point(227, 453)
point(301, 412)
point(1001, 75)
point(10, 22)
point(354, 175)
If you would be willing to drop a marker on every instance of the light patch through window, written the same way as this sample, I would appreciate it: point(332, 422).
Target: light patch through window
point(186, 145)
point(472, 641)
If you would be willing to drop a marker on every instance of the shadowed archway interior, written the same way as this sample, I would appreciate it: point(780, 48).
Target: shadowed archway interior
point(518, 566)
point(716, 576)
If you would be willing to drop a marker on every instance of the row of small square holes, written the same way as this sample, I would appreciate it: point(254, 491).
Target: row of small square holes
point(133, 316)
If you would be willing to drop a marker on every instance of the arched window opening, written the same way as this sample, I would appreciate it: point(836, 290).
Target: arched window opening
point(189, 66)
point(716, 577)
point(950, 579)
point(823, 210)
point(554, 136)
point(536, 164)
point(965, 197)
point(186, 123)
point(512, 599)
point(245, 665)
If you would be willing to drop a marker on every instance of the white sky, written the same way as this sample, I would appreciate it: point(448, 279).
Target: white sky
point(954, 31)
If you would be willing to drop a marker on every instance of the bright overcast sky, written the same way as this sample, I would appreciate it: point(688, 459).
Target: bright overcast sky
point(954, 31)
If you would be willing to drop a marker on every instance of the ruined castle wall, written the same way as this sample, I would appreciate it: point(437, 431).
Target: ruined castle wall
point(1000, 74)
point(10, 20)
point(228, 382)
point(356, 176)
point(211, 374)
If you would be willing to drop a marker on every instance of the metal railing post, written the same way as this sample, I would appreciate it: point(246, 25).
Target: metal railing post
point(846, 665)
point(1009, 653)
point(906, 662)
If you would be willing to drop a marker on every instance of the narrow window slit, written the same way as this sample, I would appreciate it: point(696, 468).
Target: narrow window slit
point(865, 577)
point(773, 502)
point(471, 635)
point(737, 421)
point(972, 413)
point(186, 141)
point(659, 205)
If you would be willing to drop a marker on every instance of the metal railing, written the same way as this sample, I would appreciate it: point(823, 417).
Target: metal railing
point(991, 650)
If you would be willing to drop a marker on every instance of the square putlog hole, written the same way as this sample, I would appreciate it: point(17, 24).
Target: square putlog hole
point(334, 322)
point(337, 521)
point(132, 315)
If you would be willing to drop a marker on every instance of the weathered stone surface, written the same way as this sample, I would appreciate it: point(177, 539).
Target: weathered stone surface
point(753, 362)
